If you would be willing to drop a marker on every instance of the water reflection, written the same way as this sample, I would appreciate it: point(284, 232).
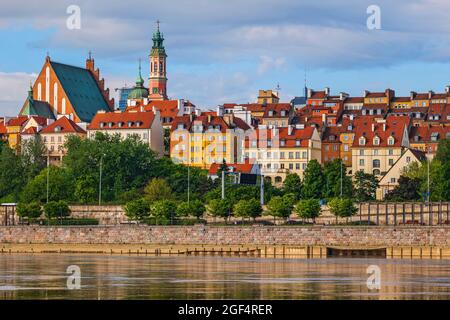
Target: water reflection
point(138, 277)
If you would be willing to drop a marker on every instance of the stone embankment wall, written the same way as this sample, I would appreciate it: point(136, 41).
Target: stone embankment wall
point(184, 235)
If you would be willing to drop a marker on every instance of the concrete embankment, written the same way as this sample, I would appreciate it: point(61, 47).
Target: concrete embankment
point(261, 241)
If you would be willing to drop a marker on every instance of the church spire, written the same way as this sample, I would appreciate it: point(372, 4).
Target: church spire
point(139, 79)
point(158, 75)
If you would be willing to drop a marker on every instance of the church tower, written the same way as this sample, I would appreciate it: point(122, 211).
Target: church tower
point(158, 75)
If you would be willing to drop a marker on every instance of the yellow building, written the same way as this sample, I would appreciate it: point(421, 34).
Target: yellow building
point(268, 96)
point(203, 140)
point(280, 151)
point(378, 143)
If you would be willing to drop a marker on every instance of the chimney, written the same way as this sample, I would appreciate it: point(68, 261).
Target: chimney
point(290, 128)
point(430, 94)
point(327, 91)
point(191, 117)
point(324, 118)
point(229, 119)
point(309, 93)
point(447, 89)
point(351, 117)
point(384, 126)
point(220, 110)
point(366, 92)
point(209, 118)
point(412, 94)
point(373, 127)
point(343, 95)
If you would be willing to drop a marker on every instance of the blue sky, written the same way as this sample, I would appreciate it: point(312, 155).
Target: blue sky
point(224, 51)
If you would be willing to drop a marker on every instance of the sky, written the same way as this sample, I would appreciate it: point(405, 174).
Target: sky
point(225, 51)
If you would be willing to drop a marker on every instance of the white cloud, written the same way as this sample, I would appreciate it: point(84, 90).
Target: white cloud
point(13, 91)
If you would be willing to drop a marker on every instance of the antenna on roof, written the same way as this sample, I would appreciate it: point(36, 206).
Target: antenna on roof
point(90, 55)
point(305, 88)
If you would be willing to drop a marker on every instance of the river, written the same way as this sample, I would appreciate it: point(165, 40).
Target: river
point(44, 276)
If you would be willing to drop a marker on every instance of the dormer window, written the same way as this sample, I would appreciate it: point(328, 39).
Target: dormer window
point(283, 113)
point(180, 126)
point(120, 124)
point(297, 142)
point(391, 141)
point(332, 138)
point(57, 129)
point(282, 143)
point(102, 124)
point(130, 123)
point(110, 124)
point(270, 113)
point(434, 136)
point(376, 141)
point(362, 141)
point(416, 138)
point(138, 124)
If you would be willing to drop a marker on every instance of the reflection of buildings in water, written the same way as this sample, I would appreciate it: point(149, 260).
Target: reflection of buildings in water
point(140, 277)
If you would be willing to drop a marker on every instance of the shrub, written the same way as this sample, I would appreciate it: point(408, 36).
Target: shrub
point(138, 209)
point(194, 208)
point(342, 207)
point(247, 209)
point(308, 209)
point(29, 210)
point(56, 209)
point(219, 208)
point(163, 209)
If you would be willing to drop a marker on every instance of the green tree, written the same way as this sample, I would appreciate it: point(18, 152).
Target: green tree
point(280, 207)
point(12, 177)
point(157, 189)
point(366, 185)
point(30, 210)
point(33, 155)
point(57, 209)
point(293, 184)
point(138, 209)
point(314, 181)
point(342, 207)
point(86, 189)
point(333, 171)
point(438, 181)
point(194, 208)
point(308, 209)
point(407, 189)
point(219, 208)
point(247, 209)
point(60, 186)
point(163, 210)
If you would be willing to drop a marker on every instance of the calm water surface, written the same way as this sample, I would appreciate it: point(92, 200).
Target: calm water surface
point(42, 276)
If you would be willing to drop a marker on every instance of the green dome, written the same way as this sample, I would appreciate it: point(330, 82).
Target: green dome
point(139, 91)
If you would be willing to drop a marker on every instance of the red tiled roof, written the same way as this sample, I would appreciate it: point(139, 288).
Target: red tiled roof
point(2, 128)
point(236, 167)
point(209, 120)
point(18, 121)
point(354, 100)
point(401, 99)
point(65, 125)
point(166, 108)
point(318, 95)
point(30, 131)
point(423, 133)
point(394, 127)
point(145, 118)
point(276, 109)
point(376, 95)
point(277, 135)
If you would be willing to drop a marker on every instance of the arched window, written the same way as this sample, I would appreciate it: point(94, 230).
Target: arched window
point(362, 141)
point(376, 141)
point(278, 179)
point(55, 97)
point(376, 172)
point(63, 106)
point(391, 141)
point(39, 91)
point(376, 163)
point(47, 84)
point(160, 67)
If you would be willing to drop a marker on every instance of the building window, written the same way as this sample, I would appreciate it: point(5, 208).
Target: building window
point(391, 162)
point(282, 155)
point(361, 152)
point(297, 155)
point(376, 163)
point(361, 162)
point(391, 152)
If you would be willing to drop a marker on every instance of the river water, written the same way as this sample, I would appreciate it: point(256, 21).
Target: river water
point(44, 276)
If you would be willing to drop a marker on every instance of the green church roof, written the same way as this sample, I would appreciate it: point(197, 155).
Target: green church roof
point(36, 108)
point(139, 91)
point(81, 89)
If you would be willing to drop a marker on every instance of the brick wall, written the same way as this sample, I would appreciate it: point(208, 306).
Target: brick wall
point(321, 236)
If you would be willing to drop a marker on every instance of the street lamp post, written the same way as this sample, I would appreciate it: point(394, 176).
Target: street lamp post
point(48, 176)
point(100, 182)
